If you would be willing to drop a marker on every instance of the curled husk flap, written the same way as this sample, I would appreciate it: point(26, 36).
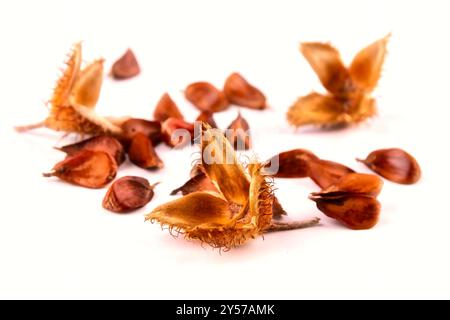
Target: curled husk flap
point(206, 97)
point(240, 209)
point(238, 133)
point(74, 98)
point(87, 168)
point(127, 194)
point(352, 200)
point(394, 164)
point(142, 153)
point(99, 143)
point(348, 99)
point(126, 66)
point(238, 91)
point(166, 108)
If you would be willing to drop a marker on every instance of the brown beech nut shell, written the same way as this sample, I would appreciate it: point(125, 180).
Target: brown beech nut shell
point(238, 133)
point(171, 125)
point(126, 66)
point(87, 168)
point(355, 212)
point(151, 129)
point(206, 97)
point(351, 200)
point(293, 163)
point(127, 194)
point(208, 118)
point(166, 108)
point(100, 143)
point(238, 91)
point(354, 183)
point(325, 173)
point(143, 154)
point(394, 164)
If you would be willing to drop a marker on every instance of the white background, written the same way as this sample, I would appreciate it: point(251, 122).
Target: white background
point(56, 241)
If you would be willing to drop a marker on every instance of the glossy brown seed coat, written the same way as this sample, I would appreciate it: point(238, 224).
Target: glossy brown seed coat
point(127, 194)
point(326, 173)
point(100, 143)
point(207, 117)
point(170, 127)
point(292, 163)
point(151, 129)
point(238, 91)
point(206, 97)
point(352, 200)
point(355, 212)
point(126, 67)
point(143, 154)
point(394, 164)
point(87, 168)
point(166, 108)
point(238, 133)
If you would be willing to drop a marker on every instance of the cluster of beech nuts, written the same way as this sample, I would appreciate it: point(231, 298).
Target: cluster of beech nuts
point(225, 203)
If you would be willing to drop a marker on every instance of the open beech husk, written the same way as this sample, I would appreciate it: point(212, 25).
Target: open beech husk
point(292, 163)
point(241, 208)
point(208, 118)
point(142, 153)
point(99, 143)
point(177, 132)
point(152, 129)
point(238, 133)
point(74, 99)
point(166, 108)
point(238, 91)
point(87, 168)
point(126, 66)
point(127, 194)
point(394, 164)
point(206, 97)
point(349, 89)
point(352, 200)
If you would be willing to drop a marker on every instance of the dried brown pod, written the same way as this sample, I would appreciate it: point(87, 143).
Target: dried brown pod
point(142, 153)
point(352, 200)
point(166, 108)
point(151, 129)
point(326, 173)
point(99, 143)
point(292, 163)
point(239, 211)
point(200, 182)
point(208, 118)
point(87, 168)
point(238, 91)
point(394, 164)
point(348, 99)
point(127, 194)
point(74, 99)
point(206, 97)
point(238, 133)
point(126, 66)
point(177, 132)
